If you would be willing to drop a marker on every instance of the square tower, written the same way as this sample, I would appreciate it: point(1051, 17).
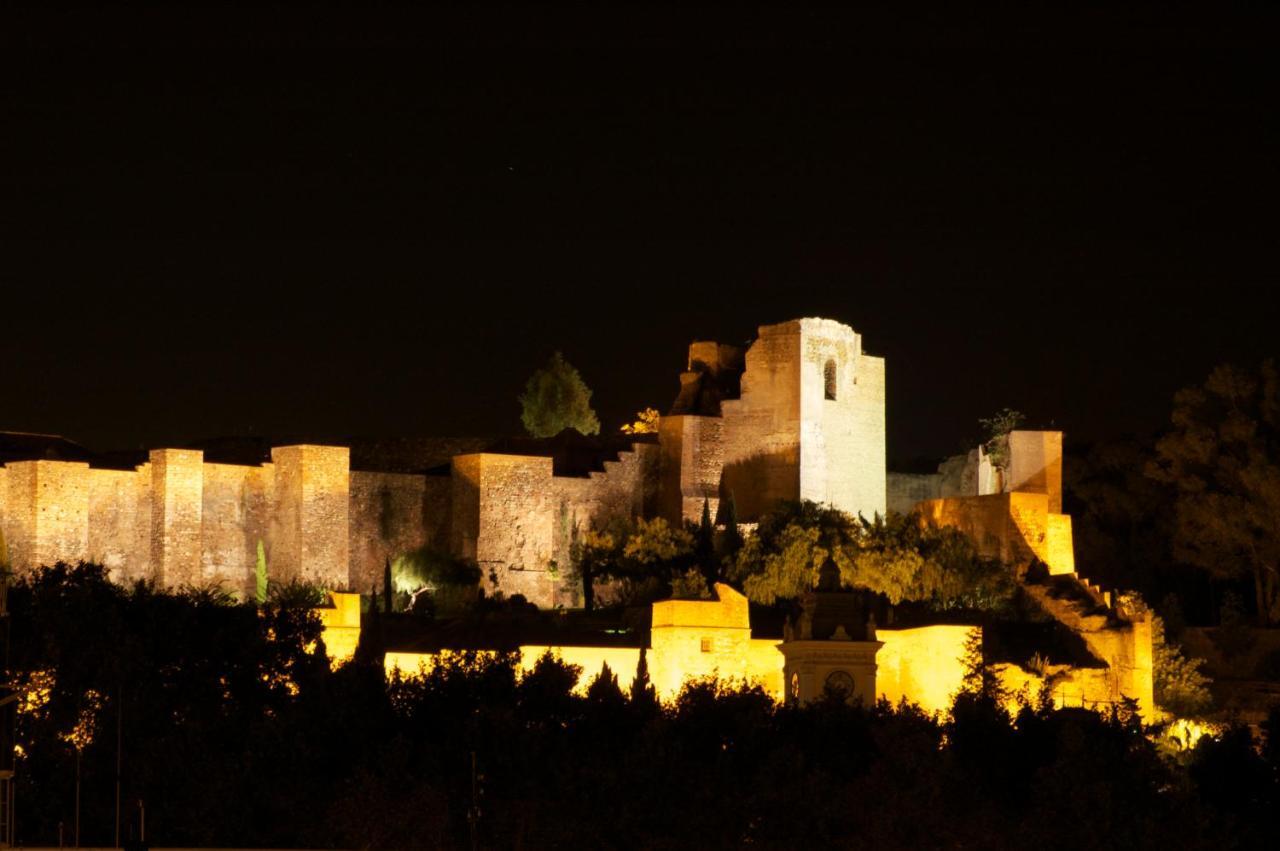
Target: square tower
point(809, 422)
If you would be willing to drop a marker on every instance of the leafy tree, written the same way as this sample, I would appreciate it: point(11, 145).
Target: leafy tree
point(428, 574)
point(260, 575)
point(654, 543)
point(996, 435)
point(1180, 686)
point(901, 557)
point(690, 585)
point(594, 555)
point(1222, 457)
point(905, 558)
point(646, 422)
point(556, 398)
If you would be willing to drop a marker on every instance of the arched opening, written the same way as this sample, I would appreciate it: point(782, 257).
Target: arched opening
point(829, 380)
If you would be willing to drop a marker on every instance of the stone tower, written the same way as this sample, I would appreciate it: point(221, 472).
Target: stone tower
point(805, 421)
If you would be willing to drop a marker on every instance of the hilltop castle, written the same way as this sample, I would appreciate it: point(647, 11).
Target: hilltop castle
point(797, 414)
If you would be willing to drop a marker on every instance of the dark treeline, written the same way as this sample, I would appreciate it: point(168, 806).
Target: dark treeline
point(236, 733)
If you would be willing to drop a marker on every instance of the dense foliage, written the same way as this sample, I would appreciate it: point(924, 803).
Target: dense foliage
point(1222, 457)
point(901, 557)
point(556, 398)
point(235, 735)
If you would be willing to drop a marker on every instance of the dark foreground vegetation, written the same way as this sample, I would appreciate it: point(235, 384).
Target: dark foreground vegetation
point(234, 733)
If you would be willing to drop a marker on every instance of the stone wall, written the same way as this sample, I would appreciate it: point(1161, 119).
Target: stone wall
point(120, 522)
point(505, 519)
point(46, 512)
point(907, 490)
point(700, 638)
point(1035, 465)
point(924, 665)
point(313, 498)
point(177, 512)
point(236, 510)
point(516, 518)
point(392, 514)
point(692, 453)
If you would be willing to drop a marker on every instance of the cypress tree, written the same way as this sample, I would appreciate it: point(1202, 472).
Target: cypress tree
point(705, 546)
point(642, 691)
point(260, 575)
point(732, 536)
point(386, 585)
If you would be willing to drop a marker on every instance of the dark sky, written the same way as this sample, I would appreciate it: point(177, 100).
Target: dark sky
point(378, 222)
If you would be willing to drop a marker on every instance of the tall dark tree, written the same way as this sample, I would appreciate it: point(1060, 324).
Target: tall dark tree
point(732, 541)
point(387, 591)
point(705, 546)
point(1222, 457)
point(642, 691)
point(556, 398)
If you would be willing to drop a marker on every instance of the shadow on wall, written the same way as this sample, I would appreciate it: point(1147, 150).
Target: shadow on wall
point(760, 481)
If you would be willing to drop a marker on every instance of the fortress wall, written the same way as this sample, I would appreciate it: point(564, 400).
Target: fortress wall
point(692, 461)
point(505, 514)
point(905, 490)
point(236, 514)
point(1012, 527)
point(1035, 465)
point(700, 638)
point(923, 665)
point(390, 515)
point(120, 522)
point(765, 664)
point(177, 488)
point(20, 515)
point(617, 492)
point(312, 491)
point(1059, 544)
point(762, 428)
point(5, 532)
point(45, 512)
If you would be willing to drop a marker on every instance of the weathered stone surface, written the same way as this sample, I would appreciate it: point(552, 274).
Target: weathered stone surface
point(808, 424)
point(177, 509)
point(311, 540)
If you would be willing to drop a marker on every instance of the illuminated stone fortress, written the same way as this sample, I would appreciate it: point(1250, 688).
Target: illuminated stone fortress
point(797, 414)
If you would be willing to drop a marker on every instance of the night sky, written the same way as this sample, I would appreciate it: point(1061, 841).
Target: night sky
point(335, 225)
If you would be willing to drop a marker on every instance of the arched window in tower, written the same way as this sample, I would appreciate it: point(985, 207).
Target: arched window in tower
point(829, 380)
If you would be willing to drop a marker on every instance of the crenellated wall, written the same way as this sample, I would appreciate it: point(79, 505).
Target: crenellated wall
point(516, 518)
point(180, 521)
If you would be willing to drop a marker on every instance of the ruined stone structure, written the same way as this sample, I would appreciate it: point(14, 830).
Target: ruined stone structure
point(797, 414)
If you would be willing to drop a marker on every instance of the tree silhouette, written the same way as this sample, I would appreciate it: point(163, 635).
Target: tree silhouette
point(1222, 457)
point(556, 398)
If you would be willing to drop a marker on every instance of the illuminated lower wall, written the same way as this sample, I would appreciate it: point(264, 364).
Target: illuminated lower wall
point(1013, 527)
point(924, 665)
point(341, 627)
point(622, 661)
